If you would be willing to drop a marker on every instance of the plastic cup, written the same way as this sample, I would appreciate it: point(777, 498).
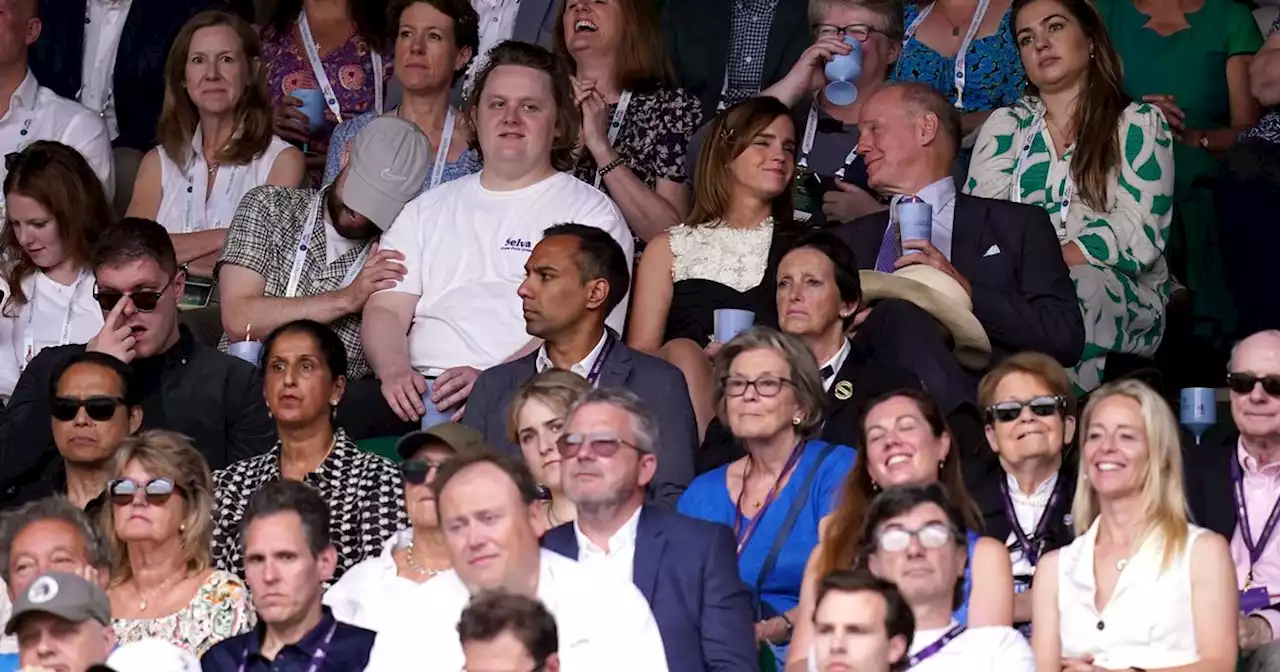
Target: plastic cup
point(249, 351)
point(1199, 410)
point(842, 71)
point(433, 416)
point(313, 106)
point(915, 222)
point(730, 322)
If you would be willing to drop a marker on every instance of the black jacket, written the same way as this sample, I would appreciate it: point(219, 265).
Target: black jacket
point(211, 397)
point(996, 524)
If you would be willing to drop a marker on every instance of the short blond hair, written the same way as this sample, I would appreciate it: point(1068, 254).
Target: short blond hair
point(169, 455)
point(556, 388)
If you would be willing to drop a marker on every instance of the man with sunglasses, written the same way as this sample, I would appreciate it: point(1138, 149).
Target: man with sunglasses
point(1234, 490)
point(506, 631)
point(917, 542)
point(608, 460)
point(182, 386)
point(488, 508)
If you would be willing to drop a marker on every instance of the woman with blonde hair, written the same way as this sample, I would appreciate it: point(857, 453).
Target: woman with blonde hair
point(159, 528)
point(1141, 587)
point(535, 420)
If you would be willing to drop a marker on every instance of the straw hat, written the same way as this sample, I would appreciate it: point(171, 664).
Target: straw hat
point(940, 295)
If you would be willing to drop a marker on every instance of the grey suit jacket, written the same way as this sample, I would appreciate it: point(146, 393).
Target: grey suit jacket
point(659, 385)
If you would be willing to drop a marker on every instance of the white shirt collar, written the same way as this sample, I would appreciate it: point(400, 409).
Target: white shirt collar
point(1038, 498)
point(24, 97)
point(543, 362)
point(836, 363)
point(625, 537)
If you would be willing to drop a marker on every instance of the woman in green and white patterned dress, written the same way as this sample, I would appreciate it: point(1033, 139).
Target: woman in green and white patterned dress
point(1102, 167)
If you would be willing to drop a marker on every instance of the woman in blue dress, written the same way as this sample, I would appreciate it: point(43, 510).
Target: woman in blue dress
point(905, 441)
point(769, 394)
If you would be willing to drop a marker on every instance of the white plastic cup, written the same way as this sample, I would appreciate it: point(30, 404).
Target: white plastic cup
point(249, 351)
point(731, 321)
point(433, 416)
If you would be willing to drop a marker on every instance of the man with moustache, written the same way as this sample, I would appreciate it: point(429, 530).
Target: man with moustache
point(860, 624)
point(686, 568)
point(183, 386)
point(488, 507)
point(1243, 474)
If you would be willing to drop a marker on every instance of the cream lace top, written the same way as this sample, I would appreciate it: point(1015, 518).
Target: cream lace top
point(714, 251)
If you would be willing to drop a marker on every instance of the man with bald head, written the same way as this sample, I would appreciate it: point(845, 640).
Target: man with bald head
point(1243, 474)
point(30, 112)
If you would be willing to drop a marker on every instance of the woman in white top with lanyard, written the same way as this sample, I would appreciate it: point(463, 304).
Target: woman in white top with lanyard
point(1141, 588)
point(215, 139)
point(435, 40)
point(1101, 165)
point(636, 123)
point(56, 208)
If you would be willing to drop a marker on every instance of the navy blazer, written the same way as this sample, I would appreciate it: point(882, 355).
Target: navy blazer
point(57, 58)
point(659, 385)
point(1022, 291)
point(688, 571)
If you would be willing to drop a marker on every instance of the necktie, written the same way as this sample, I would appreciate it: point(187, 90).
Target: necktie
point(827, 371)
point(890, 245)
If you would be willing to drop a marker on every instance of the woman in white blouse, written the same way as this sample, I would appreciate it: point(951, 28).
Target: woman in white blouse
point(1140, 588)
point(56, 208)
point(216, 141)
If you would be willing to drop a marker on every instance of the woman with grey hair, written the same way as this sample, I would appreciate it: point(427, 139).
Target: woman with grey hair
point(769, 394)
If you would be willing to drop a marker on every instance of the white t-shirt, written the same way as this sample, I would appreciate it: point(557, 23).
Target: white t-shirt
point(104, 25)
point(603, 623)
point(184, 209)
point(990, 649)
point(50, 301)
point(367, 594)
point(465, 248)
point(36, 113)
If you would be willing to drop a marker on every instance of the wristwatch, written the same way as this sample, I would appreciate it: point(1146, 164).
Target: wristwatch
point(1204, 140)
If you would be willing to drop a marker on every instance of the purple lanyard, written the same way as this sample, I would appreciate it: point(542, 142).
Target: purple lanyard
point(1029, 545)
point(594, 374)
point(924, 654)
point(1242, 513)
point(743, 536)
point(317, 656)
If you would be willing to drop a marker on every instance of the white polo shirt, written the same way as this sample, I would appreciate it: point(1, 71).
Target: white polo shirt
point(465, 248)
point(603, 623)
point(37, 113)
point(989, 649)
point(103, 26)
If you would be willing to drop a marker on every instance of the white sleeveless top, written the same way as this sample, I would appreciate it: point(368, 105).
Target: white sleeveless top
point(50, 307)
point(1147, 624)
point(182, 206)
point(732, 257)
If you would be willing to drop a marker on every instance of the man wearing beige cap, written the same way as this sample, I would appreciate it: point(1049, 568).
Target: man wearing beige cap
point(63, 622)
point(296, 254)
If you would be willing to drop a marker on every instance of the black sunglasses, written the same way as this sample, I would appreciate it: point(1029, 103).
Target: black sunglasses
point(101, 409)
point(145, 300)
point(157, 491)
point(1243, 383)
point(416, 471)
point(1008, 411)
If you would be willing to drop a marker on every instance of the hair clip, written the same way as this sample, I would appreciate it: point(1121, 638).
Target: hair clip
point(726, 133)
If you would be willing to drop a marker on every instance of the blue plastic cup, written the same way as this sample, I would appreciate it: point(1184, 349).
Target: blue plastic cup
point(915, 221)
point(730, 322)
point(433, 416)
point(249, 351)
point(1199, 410)
point(313, 106)
point(842, 71)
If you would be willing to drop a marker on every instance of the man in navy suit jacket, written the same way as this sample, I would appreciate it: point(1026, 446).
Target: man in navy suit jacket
point(687, 569)
point(574, 278)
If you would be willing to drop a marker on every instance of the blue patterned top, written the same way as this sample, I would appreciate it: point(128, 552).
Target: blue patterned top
point(994, 76)
point(468, 161)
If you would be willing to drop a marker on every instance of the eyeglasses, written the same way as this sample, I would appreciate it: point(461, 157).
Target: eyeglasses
point(100, 409)
point(1243, 383)
point(157, 491)
point(1008, 411)
point(416, 472)
point(858, 31)
point(602, 444)
point(768, 386)
point(933, 535)
point(145, 301)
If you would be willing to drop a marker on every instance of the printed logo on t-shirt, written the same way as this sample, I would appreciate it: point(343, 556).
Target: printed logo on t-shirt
point(518, 245)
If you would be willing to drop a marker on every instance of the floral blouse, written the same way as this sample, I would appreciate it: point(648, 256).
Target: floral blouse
point(365, 494)
point(220, 610)
point(654, 137)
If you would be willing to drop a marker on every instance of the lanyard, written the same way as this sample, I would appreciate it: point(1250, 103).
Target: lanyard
point(928, 651)
point(317, 656)
point(442, 154)
point(322, 79)
point(806, 145)
point(615, 125)
point(304, 242)
point(1256, 547)
point(1030, 549)
point(596, 367)
point(744, 535)
point(28, 329)
point(1068, 183)
point(961, 55)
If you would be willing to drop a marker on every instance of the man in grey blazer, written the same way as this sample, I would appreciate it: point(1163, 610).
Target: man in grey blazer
point(575, 276)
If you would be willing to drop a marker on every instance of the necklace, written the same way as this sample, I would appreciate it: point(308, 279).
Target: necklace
point(146, 598)
point(413, 564)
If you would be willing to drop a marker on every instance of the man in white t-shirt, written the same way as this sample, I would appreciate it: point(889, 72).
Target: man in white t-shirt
point(465, 243)
point(489, 510)
point(919, 544)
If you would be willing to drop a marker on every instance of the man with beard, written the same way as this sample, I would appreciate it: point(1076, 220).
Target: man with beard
point(295, 254)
